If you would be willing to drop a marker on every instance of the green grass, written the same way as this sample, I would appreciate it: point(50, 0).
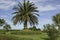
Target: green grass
point(25, 32)
point(8, 37)
point(28, 35)
point(24, 35)
point(32, 37)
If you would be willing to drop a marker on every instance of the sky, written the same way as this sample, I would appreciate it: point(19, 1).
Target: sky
point(47, 9)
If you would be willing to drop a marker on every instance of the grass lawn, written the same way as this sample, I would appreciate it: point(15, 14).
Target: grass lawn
point(29, 35)
point(25, 35)
point(32, 37)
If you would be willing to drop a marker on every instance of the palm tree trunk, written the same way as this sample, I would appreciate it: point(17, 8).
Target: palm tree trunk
point(25, 25)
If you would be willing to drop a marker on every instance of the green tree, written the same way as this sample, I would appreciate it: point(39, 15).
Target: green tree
point(2, 22)
point(7, 27)
point(25, 12)
point(56, 20)
point(51, 31)
point(44, 28)
point(34, 28)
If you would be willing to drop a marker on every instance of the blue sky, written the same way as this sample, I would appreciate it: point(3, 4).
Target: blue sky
point(47, 9)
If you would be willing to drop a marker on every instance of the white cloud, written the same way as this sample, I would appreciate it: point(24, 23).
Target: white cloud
point(44, 21)
point(5, 4)
point(58, 6)
point(48, 7)
point(40, 0)
point(3, 16)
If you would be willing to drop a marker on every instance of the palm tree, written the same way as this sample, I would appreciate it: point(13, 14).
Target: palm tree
point(7, 27)
point(56, 19)
point(2, 22)
point(25, 13)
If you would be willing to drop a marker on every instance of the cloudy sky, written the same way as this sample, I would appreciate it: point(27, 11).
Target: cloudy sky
point(47, 9)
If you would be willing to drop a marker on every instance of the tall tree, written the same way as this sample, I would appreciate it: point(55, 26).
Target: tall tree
point(56, 19)
point(25, 12)
point(51, 31)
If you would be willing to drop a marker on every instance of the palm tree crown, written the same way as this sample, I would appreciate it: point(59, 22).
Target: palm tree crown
point(2, 22)
point(7, 27)
point(25, 13)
